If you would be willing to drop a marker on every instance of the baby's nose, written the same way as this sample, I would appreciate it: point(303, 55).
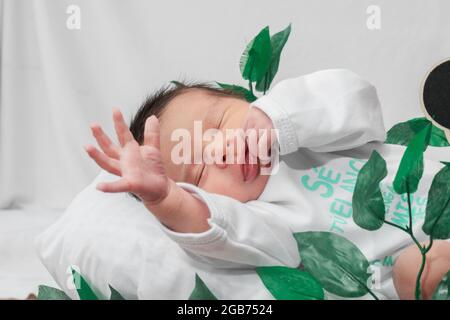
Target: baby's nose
point(235, 148)
point(229, 149)
point(214, 152)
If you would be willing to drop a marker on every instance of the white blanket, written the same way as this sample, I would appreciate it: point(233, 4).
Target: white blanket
point(113, 240)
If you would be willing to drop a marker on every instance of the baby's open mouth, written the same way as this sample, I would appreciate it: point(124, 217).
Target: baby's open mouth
point(249, 170)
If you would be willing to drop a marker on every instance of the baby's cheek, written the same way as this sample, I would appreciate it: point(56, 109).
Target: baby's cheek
point(224, 185)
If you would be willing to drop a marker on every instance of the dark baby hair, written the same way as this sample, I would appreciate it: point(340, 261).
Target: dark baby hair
point(156, 103)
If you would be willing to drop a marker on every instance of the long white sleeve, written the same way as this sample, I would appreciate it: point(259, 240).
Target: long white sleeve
point(324, 111)
point(241, 234)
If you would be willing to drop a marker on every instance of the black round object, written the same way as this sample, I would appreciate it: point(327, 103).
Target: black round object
point(436, 94)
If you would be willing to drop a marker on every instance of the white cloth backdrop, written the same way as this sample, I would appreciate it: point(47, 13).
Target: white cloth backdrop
point(55, 81)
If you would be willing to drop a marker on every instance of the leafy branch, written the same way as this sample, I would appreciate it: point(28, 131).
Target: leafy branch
point(259, 62)
point(368, 205)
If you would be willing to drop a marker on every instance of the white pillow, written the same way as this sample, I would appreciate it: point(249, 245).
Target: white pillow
point(114, 240)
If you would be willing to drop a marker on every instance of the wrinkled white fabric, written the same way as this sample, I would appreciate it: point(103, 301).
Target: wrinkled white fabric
point(113, 240)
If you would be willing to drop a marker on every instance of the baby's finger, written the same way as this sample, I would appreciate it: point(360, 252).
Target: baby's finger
point(265, 138)
point(123, 133)
point(264, 146)
point(121, 185)
point(109, 164)
point(151, 132)
point(104, 142)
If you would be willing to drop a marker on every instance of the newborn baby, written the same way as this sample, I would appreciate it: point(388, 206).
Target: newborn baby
point(234, 200)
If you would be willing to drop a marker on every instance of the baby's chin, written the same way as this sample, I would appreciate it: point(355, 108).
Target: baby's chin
point(247, 191)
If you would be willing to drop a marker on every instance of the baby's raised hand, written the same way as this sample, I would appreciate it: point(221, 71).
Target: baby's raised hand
point(140, 167)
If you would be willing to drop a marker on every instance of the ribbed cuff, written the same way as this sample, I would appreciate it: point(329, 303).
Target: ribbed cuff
point(287, 137)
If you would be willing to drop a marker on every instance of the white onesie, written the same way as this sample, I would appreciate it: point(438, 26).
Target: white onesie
point(329, 122)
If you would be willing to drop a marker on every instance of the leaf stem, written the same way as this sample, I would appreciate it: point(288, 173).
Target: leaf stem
point(429, 245)
point(423, 250)
point(250, 85)
point(396, 226)
point(367, 288)
point(360, 282)
point(266, 81)
point(418, 290)
point(409, 207)
point(410, 227)
point(371, 293)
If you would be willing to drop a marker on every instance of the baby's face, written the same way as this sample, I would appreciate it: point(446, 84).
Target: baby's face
point(236, 180)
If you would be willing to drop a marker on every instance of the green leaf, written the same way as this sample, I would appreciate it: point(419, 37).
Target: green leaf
point(368, 205)
point(115, 295)
point(277, 42)
point(410, 169)
point(290, 284)
point(437, 217)
point(255, 59)
point(403, 132)
point(84, 290)
point(335, 262)
point(247, 94)
point(438, 138)
point(201, 291)
point(442, 291)
point(49, 293)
